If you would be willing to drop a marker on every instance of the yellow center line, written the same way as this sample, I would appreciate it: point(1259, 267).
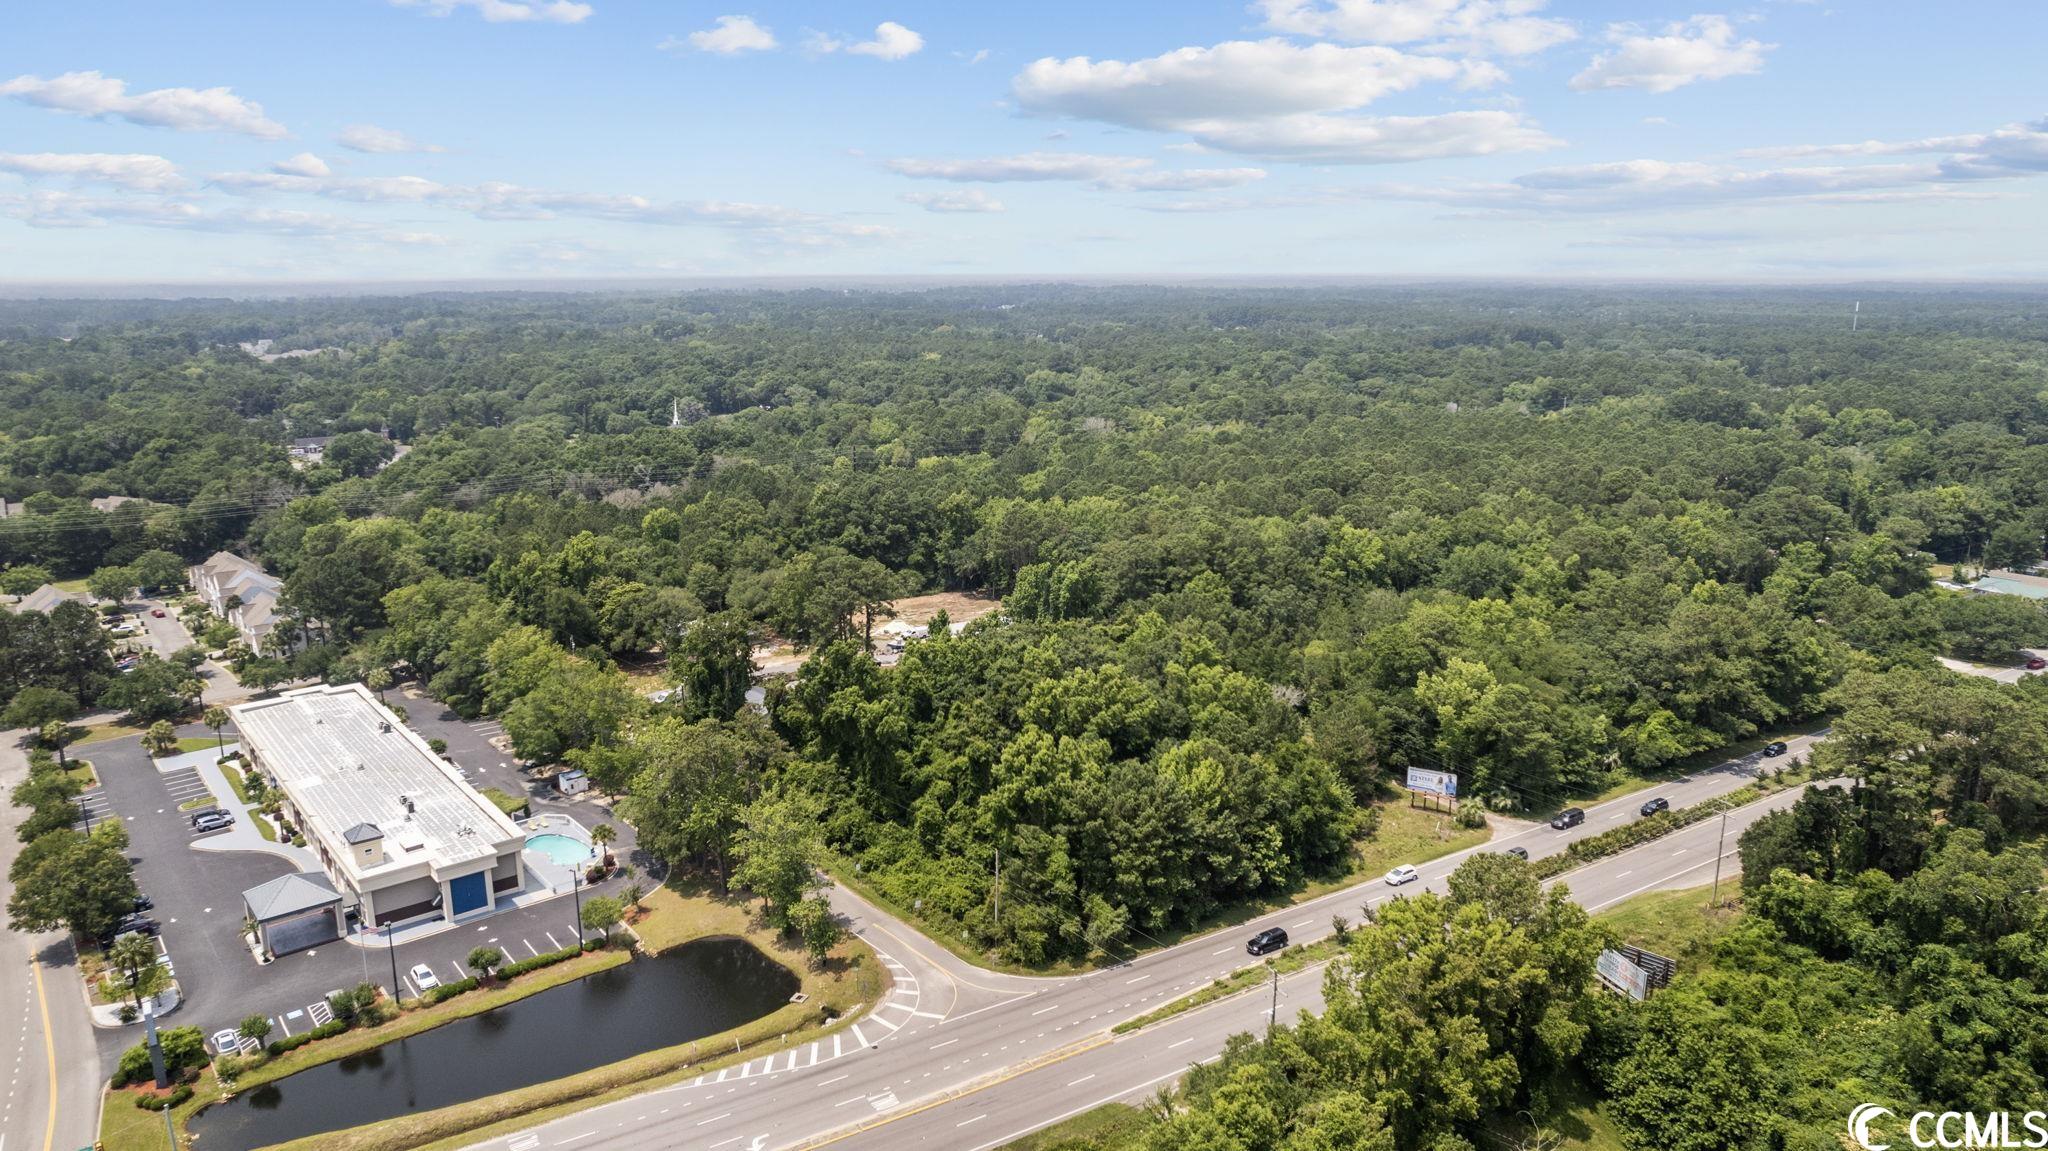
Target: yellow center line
point(50, 1048)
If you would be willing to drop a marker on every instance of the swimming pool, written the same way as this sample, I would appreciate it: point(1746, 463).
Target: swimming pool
point(560, 848)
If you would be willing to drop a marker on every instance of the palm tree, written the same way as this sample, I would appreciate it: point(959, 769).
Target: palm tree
point(217, 718)
point(602, 835)
point(57, 734)
point(161, 739)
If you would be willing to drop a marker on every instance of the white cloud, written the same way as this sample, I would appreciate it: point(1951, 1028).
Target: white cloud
point(303, 164)
point(371, 138)
point(135, 171)
point(1280, 100)
point(66, 210)
point(497, 200)
point(183, 109)
point(1504, 27)
point(970, 200)
point(1701, 48)
point(892, 41)
point(972, 58)
point(2014, 150)
point(729, 36)
point(1109, 173)
point(510, 11)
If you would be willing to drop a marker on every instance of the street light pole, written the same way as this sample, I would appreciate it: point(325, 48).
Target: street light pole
point(577, 874)
point(391, 949)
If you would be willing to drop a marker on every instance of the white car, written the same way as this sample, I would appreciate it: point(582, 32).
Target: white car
point(426, 979)
point(1402, 874)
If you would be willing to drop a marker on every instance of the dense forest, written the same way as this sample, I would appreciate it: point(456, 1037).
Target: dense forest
point(1258, 550)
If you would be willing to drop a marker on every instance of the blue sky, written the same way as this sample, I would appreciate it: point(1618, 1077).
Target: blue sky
point(438, 139)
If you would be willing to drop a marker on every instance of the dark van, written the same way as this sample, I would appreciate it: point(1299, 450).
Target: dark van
point(1569, 817)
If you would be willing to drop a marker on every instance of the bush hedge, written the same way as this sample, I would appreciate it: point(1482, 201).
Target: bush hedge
point(179, 1094)
point(1642, 831)
point(449, 991)
point(544, 959)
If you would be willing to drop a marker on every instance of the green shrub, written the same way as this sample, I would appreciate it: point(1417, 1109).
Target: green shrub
point(544, 959)
point(449, 991)
point(178, 1095)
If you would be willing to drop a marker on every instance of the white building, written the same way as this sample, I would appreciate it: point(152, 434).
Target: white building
point(402, 836)
point(227, 579)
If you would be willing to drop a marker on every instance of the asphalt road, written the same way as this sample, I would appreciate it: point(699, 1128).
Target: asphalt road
point(988, 1057)
point(47, 1058)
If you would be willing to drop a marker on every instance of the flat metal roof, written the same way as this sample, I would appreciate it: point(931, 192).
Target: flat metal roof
point(347, 760)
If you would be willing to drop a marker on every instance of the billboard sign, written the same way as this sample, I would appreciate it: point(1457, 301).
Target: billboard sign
point(1442, 783)
point(1624, 975)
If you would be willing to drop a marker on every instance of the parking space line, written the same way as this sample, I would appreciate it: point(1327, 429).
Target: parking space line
point(531, 947)
point(553, 940)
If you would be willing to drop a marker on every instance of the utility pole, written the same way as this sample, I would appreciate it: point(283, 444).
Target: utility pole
point(1273, 1017)
point(1714, 900)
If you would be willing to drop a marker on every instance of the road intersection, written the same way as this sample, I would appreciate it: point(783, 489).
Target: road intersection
point(991, 1056)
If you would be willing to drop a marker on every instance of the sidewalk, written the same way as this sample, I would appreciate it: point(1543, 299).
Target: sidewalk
point(242, 835)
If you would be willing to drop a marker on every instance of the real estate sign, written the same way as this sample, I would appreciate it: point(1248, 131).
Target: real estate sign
point(1442, 783)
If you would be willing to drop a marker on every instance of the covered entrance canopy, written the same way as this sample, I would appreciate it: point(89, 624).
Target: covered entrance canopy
point(294, 912)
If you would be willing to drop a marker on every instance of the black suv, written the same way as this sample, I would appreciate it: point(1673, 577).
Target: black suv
point(1271, 939)
point(1774, 748)
point(1652, 807)
point(1569, 817)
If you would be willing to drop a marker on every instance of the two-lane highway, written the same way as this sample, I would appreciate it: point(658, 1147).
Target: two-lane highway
point(998, 1055)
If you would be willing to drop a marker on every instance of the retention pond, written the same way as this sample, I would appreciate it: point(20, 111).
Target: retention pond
point(696, 990)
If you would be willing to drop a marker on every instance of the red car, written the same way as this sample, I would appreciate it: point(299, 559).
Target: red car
point(2036, 663)
point(157, 612)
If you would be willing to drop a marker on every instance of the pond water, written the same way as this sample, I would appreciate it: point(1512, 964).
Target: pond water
point(696, 990)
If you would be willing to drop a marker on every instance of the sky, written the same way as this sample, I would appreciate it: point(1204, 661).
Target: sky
point(333, 140)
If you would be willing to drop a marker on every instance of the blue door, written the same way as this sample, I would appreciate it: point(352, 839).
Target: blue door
point(470, 892)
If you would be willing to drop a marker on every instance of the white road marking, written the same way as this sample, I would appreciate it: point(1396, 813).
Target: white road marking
point(1043, 1010)
point(714, 1119)
point(1182, 1043)
point(976, 1119)
point(1081, 1080)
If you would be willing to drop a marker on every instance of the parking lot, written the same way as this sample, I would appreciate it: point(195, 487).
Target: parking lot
point(198, 895)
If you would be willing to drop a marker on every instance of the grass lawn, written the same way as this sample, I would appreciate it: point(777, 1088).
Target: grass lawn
point(1673, 923)
point(81, 770)
point(673, 916)
point(107, 731)
point(237, 782)
point(1110, 1126)
point(127, 1127)
point(505, 801)
point(196, 743)
point(196, 802)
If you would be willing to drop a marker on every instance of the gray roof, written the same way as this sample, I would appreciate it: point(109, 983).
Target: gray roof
point(362, 833)
point(46, 598)
point(345, 759)
point(288, 895)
